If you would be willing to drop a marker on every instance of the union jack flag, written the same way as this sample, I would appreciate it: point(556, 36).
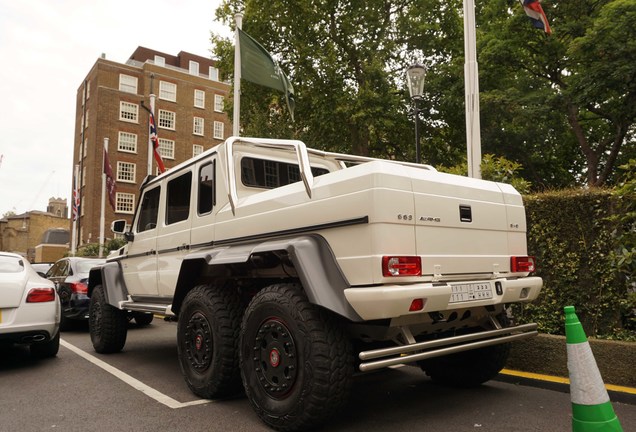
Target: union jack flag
point(110, 181)
point(155, 143)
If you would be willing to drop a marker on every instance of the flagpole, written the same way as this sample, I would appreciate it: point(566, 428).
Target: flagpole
point(102, 214)
point(237, 76)
point(150, 144)
point(471, 88)
point(75, 209)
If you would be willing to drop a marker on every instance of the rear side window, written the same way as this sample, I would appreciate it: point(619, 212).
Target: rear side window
point(206, 188)
point(178, 199)
point(149, 210)
point(267, 174)
point(11, 265)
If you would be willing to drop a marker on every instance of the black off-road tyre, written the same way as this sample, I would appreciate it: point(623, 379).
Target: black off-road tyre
point(107, 325)
point(468, 368)
point(143, 319)
point(207, 341)
point(41, 350)
point(296, 359)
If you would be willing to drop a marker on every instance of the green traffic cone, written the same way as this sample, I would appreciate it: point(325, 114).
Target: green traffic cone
point(591, 407)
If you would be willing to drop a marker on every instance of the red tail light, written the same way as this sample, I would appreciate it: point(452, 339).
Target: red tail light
point(524, 264)
point(41, 295)
point(79, 287)
point(401, 266)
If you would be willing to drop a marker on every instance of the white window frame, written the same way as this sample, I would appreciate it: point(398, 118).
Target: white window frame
point(159, 60)
point(128, 83)
point(219, 103)
point(219, 130)
point(128, 112)
point(166, 119)
point(166, 148)
point(198, 124)
point(124, 203)
point(197, 149)
point(213, 73)
point(127, 142)
point(167, 91)
point(199, 98)
point(193, 67)
point(126, 172)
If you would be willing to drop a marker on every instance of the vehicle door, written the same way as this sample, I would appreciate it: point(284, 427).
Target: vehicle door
point(140, 265)
point(173, 236)
point(58, 274)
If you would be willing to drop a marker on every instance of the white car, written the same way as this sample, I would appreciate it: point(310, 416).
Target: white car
point(29, 307)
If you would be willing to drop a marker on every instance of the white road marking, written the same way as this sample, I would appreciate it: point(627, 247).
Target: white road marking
point(133, 382)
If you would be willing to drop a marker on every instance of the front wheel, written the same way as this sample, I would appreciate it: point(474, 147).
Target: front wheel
point(207, 341)
point(107, 325)
point(143, 319)
point(296, 359)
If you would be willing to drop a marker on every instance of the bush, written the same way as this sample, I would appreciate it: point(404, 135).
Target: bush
point(575, 236)
point(92, 249)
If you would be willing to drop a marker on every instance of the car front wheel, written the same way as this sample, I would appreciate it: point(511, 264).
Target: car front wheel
point(108, 326)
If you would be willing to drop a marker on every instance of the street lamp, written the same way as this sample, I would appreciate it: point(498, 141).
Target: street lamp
point(415, 80)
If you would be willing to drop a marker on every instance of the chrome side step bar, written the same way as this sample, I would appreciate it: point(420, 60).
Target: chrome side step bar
point(441, 347)
point(161, 309)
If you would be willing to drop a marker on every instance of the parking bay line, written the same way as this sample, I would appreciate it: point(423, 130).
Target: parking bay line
point(133, 382)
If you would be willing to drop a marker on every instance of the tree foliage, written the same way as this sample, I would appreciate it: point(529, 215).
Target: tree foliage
point(562, 106)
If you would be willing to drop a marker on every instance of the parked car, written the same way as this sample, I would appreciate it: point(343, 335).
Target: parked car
point(41, 268)
point(29, 307)
point(70, 276)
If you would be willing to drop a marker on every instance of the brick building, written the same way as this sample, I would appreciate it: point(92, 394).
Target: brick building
point(111, 103)
point(28, 234)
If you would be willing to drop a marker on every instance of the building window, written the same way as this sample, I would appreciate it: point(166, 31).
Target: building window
point(126, 172)
point(88, 89)
point(194, 68)
point(128, 112)
point(199, 98)
point(214, 73)
point(125, 202)
point(167, 91)
point(196, 150)
point(198, 126)
point(166, 119)
point(86, 121)
point(127, 142)
point(85, 148)
point(166, 148)
point(218, 130)
point(160, 61)
point(218, 103)
point(128, 83)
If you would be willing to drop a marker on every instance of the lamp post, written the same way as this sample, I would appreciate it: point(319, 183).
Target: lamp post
point(415, 80)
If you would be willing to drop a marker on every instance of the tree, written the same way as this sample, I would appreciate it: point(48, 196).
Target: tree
point(574, 90)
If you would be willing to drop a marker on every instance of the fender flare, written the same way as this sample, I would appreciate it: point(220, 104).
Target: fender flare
point(110, 276)
point(311, 255)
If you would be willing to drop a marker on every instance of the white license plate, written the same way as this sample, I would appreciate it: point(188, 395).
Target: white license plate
point(470, 292)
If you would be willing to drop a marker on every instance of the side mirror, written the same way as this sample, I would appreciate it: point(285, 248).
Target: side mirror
point(118, 226)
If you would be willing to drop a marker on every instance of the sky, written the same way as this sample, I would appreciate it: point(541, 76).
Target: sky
point(47, 47)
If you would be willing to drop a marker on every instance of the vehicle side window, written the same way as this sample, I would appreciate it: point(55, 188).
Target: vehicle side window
point(178, 199)
point(54, 270)
point(267, 174)
point(207, 198)
point(149, 210)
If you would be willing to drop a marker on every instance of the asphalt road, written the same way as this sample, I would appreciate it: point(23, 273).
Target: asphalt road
point(141, 389)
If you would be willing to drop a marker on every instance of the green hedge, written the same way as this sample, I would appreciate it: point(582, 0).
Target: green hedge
point(575, 235)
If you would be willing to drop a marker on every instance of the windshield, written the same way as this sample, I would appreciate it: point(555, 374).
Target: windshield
point(11, 264)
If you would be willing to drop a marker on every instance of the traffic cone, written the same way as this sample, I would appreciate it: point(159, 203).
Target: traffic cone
point(591, 407)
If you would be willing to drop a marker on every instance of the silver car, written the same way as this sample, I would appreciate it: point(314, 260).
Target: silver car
point(29, 307)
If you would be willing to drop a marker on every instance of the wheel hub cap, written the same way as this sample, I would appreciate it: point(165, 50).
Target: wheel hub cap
point(275, 358)
point(198, 342)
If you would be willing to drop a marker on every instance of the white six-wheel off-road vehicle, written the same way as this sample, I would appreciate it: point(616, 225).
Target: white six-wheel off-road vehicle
point(288, 268)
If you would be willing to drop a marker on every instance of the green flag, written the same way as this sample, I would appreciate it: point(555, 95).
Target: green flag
point(258, 66)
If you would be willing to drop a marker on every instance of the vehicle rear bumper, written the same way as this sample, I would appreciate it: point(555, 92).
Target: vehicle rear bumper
point(392, 301)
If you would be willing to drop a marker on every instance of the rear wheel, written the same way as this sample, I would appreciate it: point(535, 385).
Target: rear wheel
point(46, 349)
point(143, 318)
point(296, 360)
point(207, 340)
point(108, 326)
